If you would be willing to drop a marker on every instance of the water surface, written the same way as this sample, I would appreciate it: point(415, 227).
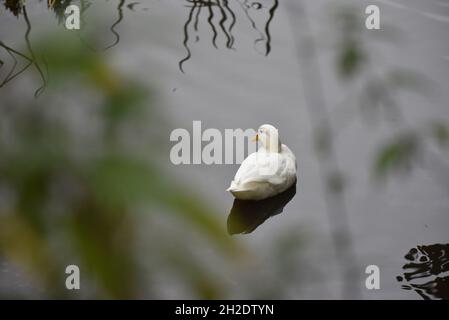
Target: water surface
point(234, 64)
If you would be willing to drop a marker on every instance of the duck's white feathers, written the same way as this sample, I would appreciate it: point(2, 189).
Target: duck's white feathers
point(263, 174)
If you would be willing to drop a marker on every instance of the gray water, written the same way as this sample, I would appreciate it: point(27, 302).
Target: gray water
point(248, 85)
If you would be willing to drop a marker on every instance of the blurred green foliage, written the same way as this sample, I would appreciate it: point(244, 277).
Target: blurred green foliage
point(351, 56)
point(397, 154)
point(378, 89)
point(406, 148)
point(440, 133)
point(78, 198)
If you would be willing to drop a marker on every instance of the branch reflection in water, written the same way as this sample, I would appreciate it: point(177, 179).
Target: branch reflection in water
point(19, 9)
point(222, 11)
point(30, 57)
point(430, 264)
point(247, 215)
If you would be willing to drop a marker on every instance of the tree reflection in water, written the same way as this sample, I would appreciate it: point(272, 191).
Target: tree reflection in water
point(221, 18)
point(29, 57)
point(19, 9)
point(222, 11)
point(430, 264)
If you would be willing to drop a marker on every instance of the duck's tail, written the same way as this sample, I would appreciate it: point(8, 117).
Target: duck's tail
point(232, 187)
point(243, 192)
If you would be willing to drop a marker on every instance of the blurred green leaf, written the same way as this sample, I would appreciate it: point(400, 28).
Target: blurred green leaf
point(440, 133)
point(397, 155)
point(350, 59)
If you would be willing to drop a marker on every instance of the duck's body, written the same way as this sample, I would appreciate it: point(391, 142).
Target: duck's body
point(267, 172)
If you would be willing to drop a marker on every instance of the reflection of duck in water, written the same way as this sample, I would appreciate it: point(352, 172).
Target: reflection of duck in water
point(247, 215)
point(427, 263)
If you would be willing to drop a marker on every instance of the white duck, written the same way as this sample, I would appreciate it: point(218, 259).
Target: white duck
point(267, 172)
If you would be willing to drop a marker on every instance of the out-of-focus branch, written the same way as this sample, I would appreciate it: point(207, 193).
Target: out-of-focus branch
point(323, 135)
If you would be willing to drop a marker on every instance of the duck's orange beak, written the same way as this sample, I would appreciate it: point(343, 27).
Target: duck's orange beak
point(256, 138)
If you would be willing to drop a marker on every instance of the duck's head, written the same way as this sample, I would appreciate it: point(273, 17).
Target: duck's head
point(268, 135)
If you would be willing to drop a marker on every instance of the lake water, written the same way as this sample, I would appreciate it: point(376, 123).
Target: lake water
point(252, 76)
